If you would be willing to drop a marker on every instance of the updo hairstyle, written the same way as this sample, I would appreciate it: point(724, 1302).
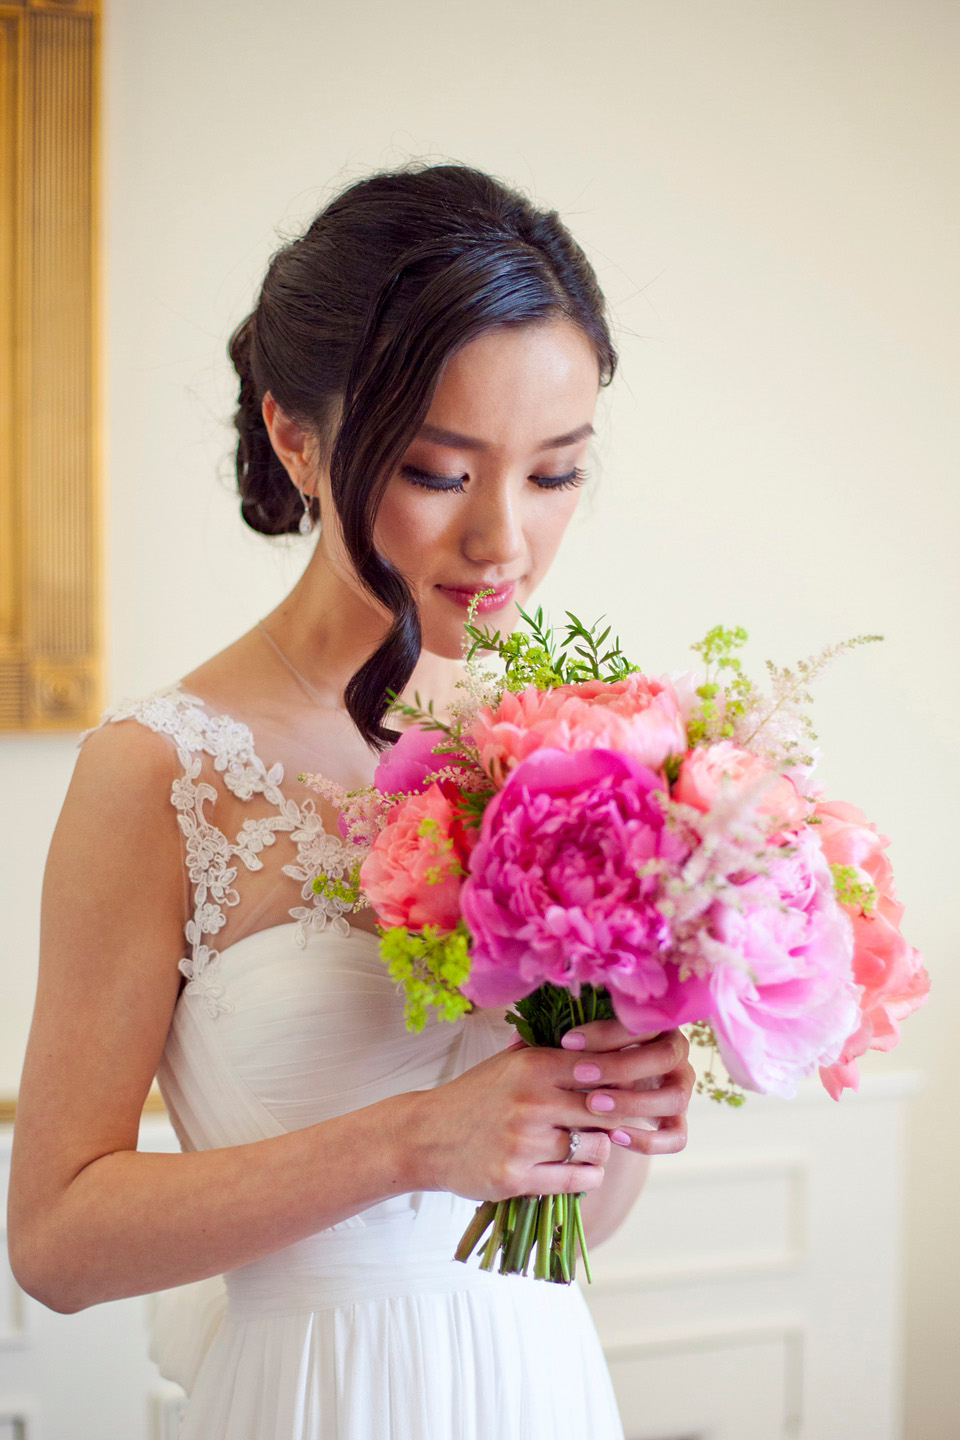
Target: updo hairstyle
point(351, 330)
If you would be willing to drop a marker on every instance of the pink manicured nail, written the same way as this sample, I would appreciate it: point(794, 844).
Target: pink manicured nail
point(600, 1102)
point(586, 1071)
point(620, 1137)
point(574, 1040)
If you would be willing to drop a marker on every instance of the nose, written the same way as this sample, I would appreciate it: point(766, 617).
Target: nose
point(493, 532)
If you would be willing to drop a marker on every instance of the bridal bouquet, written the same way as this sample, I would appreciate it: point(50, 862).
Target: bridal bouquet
point(581, 841)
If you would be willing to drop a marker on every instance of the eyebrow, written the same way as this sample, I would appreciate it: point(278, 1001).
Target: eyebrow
point(451, 438)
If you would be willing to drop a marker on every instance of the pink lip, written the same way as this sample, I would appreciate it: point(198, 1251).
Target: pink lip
point(501, 596)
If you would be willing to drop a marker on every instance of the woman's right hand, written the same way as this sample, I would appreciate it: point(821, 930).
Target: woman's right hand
point(502, 1128)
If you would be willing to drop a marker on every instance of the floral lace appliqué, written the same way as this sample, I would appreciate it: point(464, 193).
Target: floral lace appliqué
point(210, 856)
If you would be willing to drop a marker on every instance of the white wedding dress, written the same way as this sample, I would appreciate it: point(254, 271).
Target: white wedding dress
point(368, 1330)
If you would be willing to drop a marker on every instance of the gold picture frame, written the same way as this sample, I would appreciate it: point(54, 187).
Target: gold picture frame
point(50, 544)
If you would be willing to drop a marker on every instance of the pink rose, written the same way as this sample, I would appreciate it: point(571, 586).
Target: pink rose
point(724, 766)
point(891, 972)
point(562, 887)
point(634, 716)
point(784, 1000)
point(414, 872)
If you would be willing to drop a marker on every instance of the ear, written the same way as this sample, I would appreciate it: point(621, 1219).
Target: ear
point(294, 446)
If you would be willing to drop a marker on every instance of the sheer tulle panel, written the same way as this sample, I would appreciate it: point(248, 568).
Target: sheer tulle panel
point(261, 853)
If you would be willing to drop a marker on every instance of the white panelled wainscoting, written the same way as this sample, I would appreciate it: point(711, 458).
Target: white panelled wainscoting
point(753, 1293)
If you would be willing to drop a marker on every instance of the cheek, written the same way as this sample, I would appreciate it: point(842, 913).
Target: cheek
point(408, 531)
point(548, 526)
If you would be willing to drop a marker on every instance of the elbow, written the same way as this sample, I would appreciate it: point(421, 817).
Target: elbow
point(39, 1276)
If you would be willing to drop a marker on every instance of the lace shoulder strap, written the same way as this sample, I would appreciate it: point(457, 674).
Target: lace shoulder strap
point(209, 853)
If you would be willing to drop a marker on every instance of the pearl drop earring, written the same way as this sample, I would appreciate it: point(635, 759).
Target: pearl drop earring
point(306, 519)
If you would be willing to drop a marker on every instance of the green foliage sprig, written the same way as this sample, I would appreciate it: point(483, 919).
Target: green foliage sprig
point(431, 966)
point(715, 721)
point(852, 889)
point(542, 659)
point(545, 1016)
point(335, 887)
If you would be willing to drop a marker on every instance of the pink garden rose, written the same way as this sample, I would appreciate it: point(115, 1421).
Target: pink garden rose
point(554, 892)
point(414, 872)
point(634, 716)
point(784, 1000)
point(891, 972)
point(705, 772)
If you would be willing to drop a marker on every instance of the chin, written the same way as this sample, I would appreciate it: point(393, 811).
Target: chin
point(444, 647)
point(447, 640)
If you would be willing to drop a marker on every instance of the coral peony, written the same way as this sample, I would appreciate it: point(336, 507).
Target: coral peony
point(634, 716)
point(783, 999)
point(414, 873)
point(725, 766)
point(565, 880)
point(891, 972)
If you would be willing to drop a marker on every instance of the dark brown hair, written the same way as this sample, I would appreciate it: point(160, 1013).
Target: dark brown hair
point(351, 330)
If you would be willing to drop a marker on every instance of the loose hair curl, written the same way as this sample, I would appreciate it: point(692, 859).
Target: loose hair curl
point(353, 325)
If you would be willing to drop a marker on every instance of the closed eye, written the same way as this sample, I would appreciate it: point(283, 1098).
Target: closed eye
point(455, 484)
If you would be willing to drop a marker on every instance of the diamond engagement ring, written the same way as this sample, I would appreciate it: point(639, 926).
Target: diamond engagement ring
point(574, 1147)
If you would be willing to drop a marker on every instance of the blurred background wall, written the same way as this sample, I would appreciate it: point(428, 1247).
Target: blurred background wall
point(769, 193)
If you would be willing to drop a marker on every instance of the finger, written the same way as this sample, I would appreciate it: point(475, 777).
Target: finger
point(555, 1179)
point(518, 1044)
point(608, 1107)
point(668, 1138)
point(594, 1147)
point(603, 1035)
point(636, 1066)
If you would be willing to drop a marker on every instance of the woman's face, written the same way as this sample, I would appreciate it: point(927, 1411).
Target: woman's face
point(485, 491)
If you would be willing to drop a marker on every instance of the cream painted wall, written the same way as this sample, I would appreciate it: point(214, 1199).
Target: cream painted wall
point(769, 193)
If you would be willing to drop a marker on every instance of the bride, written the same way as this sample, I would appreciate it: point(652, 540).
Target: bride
point(418, 382)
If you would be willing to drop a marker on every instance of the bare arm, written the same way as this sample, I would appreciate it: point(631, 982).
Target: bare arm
point(90, 1219)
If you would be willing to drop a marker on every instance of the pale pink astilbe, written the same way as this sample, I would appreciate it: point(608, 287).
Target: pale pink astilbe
point(362, 814)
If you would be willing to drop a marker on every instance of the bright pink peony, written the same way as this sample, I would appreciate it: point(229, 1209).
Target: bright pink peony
point(404, 767)
point(414, 873)
point(891, 972)
point(554, 892)
point(707, 771)
point(634, 716)
point(785, 1000)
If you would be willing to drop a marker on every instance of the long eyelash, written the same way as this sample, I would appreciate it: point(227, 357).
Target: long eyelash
point(561, 482)
point(427, 482)
point(446, 484)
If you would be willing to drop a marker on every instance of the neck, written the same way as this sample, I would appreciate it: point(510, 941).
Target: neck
point(328, 626)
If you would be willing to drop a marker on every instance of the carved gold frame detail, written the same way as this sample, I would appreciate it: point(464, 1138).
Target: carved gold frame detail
point(50, 615)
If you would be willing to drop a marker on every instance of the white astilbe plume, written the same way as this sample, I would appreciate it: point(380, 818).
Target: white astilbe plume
point(481, 688)
point(730, 842)
point(776, 726)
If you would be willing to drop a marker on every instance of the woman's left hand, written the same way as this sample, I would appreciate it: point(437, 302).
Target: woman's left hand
point(635, 1077)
